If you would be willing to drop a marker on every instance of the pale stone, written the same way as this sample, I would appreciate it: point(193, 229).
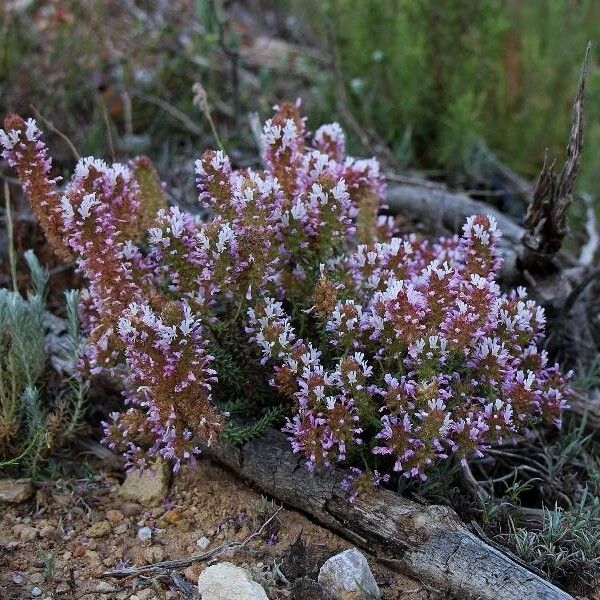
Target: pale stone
point(347, 576)
point(15, 491)
point(149, 487)
point(144, 534)
point(225, 581)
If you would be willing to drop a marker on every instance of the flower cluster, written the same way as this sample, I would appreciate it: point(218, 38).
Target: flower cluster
point(169, 386)
point(24, 150)
point(427, 359)
point(400, 351)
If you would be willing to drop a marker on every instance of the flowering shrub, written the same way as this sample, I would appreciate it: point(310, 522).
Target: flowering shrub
point(399, 350)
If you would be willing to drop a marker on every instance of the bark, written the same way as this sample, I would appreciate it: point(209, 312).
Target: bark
point(445, 211)
point(425, 542)
point(510, 192)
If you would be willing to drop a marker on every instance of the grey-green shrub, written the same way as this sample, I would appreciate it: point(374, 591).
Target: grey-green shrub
point(35, 418)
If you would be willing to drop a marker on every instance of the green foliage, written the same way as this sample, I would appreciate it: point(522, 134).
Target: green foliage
point(240, 434)
point(453, 72)
point(35, 418)
point(567, 547)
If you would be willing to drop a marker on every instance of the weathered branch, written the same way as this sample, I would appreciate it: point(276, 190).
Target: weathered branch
point(445, 211)
point(511, 191)
point(426, 542)
point(589, 250)
point(545, 221)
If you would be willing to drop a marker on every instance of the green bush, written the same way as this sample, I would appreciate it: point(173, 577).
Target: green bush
point(448, 73)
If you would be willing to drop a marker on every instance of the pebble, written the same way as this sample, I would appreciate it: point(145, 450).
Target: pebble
point(173, 515)
point(144, 534)
point(114, 516)
point(17, 578)
point(347, 576)
point(192, 572)
point(48, 531)
point(154, 554)
point(203, 543)
point(36, 592)
point(15, 491)
point(27, 533)
point(99, 529)
point(121, 528)
point(130, 509)
point(225, 581)
point(149, 487)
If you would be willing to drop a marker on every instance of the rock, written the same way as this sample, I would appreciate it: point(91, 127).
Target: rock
point(36, 592)
point(305, 587)
point(62, 588)
point(94, 563)
point(79, 551)
point(14, 491)
point(48, 531)
point(144, 534)
point(149, 487)
point(26, 533)
point(130, 509)
point(99, 529)
point(17, 578)
point(114, 516)
point(173, 515)
point(347, 576)
point(36, 577)
point(203, 543)
point(121, 528)
point(154, 554)
point(225, 581)
point(192, 572)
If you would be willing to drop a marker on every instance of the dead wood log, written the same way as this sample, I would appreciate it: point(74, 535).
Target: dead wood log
point(426, 542)
point(510, 191)
point(445, 211)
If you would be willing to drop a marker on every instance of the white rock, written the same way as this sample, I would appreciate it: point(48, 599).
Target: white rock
point(203, 543)
point(225, 581)
point(144, 534)
point(347, 576)
point(36, 592)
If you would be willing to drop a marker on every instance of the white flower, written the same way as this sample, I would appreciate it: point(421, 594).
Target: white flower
point(88, 201)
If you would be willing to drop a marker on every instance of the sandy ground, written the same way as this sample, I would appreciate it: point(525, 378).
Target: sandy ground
point(60, 543)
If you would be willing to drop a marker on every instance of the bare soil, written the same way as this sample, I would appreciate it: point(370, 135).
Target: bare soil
point(59, 544)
